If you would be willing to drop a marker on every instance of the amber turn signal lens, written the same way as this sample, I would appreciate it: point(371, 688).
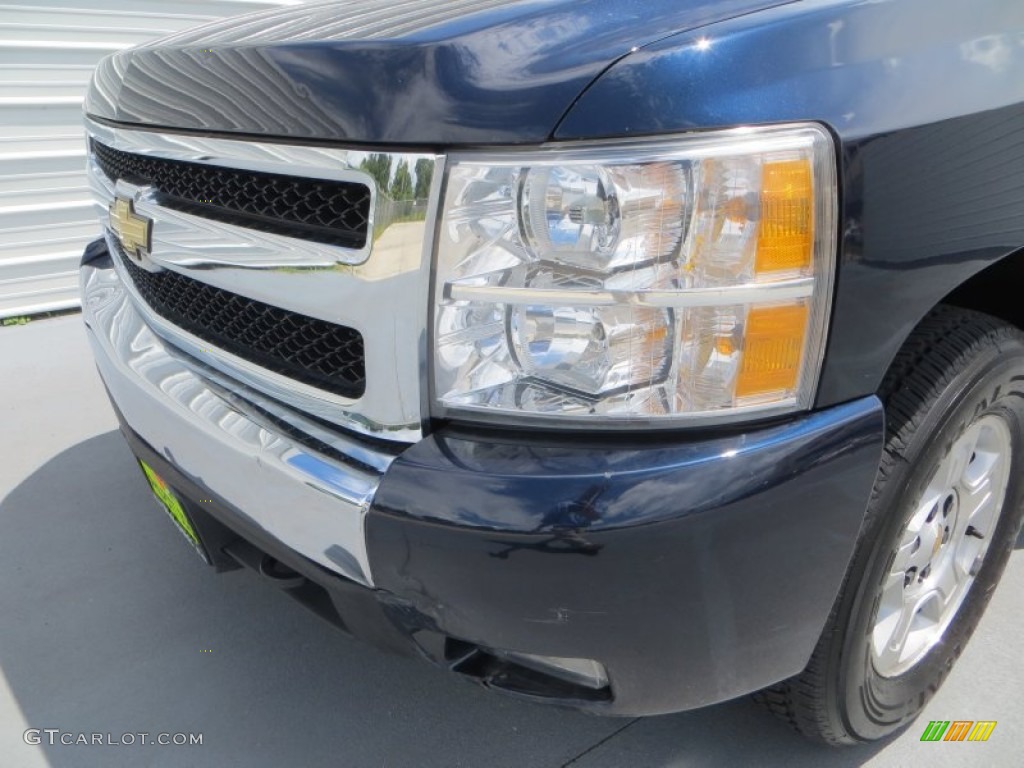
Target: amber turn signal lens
point(772, 350)
point(786, 236)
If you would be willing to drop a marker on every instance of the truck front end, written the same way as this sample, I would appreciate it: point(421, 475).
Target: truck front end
point(543, 411)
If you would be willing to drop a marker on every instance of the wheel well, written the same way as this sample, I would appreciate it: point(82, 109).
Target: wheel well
point(996, 290)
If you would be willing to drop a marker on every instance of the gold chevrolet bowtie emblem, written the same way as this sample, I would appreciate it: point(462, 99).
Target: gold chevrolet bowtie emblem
point(132, 230)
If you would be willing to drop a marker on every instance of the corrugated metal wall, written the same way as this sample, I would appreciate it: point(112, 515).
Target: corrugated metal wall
point(47, 51)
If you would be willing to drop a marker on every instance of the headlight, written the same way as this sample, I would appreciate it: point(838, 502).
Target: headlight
point(637, 282)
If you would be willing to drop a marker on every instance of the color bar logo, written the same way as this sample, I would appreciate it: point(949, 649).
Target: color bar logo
point(958, 730)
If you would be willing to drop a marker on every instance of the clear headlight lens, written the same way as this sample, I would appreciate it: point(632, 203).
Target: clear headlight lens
point(632, 281)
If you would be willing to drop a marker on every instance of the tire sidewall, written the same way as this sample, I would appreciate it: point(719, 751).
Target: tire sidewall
point(875, 706)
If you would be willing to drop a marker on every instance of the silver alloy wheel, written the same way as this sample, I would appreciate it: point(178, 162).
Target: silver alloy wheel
point(942, 547)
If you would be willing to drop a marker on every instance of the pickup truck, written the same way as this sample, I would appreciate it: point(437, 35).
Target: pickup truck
point(626, 356)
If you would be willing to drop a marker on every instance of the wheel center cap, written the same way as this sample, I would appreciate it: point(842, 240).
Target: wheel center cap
point(945, 522)
point(938, 541)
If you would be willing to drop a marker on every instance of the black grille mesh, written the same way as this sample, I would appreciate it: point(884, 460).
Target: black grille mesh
point(312, 351)
point(322, 210)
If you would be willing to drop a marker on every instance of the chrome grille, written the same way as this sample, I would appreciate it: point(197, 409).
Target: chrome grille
point(312, 351)
point(322, 210)
point(376, 293)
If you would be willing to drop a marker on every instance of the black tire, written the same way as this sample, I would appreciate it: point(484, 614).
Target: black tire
point(956, 367)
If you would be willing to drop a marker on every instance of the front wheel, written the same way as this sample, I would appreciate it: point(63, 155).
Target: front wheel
point(941, 524)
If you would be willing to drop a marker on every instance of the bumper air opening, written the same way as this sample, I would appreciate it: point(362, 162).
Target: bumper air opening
point(536, 676)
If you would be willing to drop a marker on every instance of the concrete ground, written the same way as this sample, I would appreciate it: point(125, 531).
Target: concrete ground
point(109, 624)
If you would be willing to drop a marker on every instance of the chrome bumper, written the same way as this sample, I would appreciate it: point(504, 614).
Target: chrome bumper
point(214, 432)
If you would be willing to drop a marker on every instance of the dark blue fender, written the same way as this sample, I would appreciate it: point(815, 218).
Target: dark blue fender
point(926, 98)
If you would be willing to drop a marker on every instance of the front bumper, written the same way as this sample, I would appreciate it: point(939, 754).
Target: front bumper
point(694, 570)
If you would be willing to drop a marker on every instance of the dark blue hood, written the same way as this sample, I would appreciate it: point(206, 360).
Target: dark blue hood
point(416, 73)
